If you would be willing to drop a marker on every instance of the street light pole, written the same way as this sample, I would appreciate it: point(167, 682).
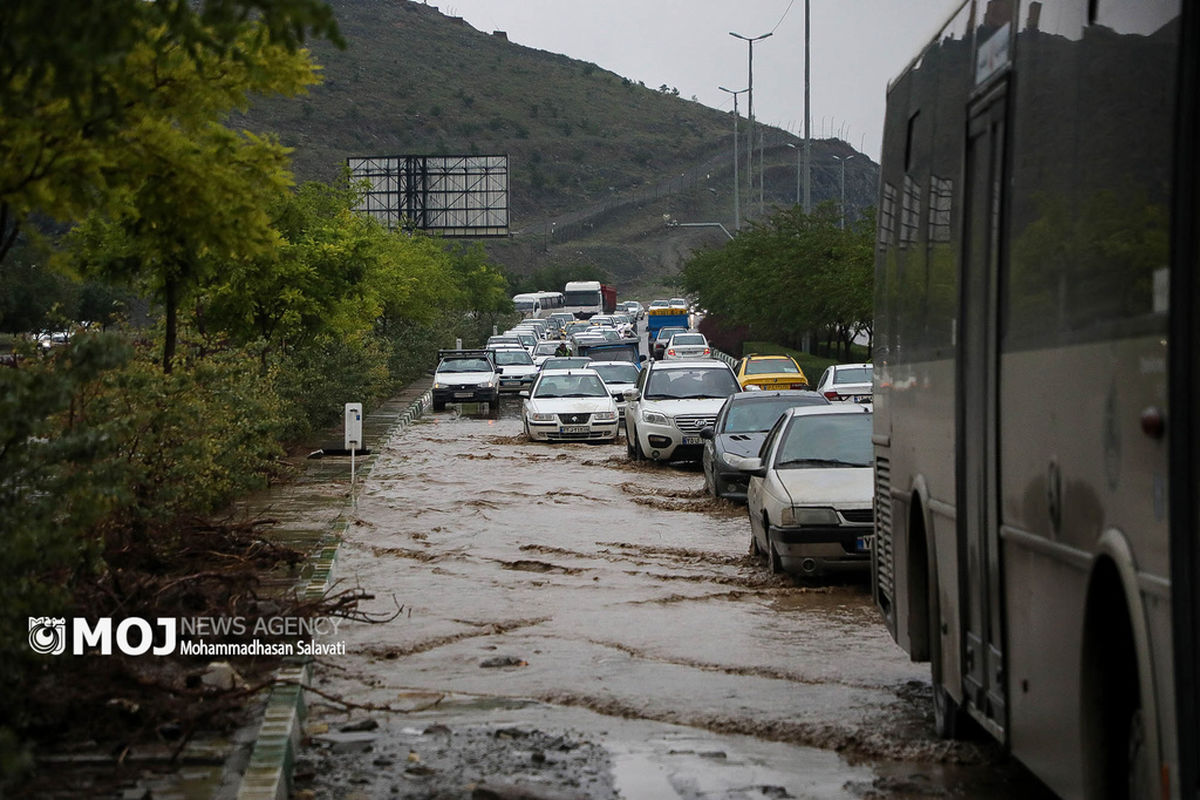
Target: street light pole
point(807, 122)
point(737, 211)
point(750, 40)
point(843, 159)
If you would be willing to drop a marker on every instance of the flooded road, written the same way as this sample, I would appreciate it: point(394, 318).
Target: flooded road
point(578, 625)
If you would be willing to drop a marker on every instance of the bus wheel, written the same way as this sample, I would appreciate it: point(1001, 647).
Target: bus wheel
point(947, 716)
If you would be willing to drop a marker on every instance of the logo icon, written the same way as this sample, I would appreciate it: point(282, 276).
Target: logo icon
point(48, 635)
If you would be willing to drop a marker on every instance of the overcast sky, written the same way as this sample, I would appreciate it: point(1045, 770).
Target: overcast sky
point(857, 47)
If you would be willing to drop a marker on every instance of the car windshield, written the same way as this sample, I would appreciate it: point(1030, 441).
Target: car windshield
point(465, 365)
point(826, 440)
point(666, 333)
point(610, 335)
point(690, 384)
point(546, 348)
point(852, 375)
point(757, 415)
point(688, 339)
point(564, 362)
point(660, 304)
point(765, 366)
point(571, 386)
point(575, 327)
point(617, 373)
point(523, 305)
point(506, 358)
point(586, 297)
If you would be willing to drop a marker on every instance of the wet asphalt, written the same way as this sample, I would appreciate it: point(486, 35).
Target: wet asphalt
point(569, 623)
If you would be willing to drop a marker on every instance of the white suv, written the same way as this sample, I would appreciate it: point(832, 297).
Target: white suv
point(673, 402)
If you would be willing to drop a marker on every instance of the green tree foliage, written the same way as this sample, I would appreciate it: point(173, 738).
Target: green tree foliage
point(72, 77)
point(791, 275)
point(197, 193)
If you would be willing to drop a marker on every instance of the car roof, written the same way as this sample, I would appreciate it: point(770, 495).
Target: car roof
point(774, 394)
point(690, 363)
point(868, 365)
point(772, 355)
point(572, 371)
point(832, 408)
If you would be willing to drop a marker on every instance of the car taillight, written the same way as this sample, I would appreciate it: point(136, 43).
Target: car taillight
point(707, 351)
point(831, 395)
point(670, 352)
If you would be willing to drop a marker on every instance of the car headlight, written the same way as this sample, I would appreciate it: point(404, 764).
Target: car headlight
point(541, 417)
point(801, 515)
point(655, 418)
point(489, 384)
point(437, 385)
point(604, 416)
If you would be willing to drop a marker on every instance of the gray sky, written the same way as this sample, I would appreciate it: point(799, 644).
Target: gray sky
point(857, 47)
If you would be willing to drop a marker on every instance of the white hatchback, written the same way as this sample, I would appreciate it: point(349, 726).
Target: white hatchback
point(570, 405)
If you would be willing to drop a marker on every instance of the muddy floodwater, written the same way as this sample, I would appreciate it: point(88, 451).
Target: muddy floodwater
point(576, 625)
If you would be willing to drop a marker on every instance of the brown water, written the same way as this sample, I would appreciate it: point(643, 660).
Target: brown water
point(635, 626)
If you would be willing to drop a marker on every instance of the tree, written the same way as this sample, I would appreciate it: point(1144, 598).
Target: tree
point(791, 275)
point(73, 76)
point(194, 195)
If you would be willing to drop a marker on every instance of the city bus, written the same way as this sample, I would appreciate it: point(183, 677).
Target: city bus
point(1036, 383)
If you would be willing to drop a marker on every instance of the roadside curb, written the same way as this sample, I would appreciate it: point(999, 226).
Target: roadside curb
point(268, 774)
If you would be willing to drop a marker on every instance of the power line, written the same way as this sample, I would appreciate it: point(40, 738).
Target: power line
point(784, 17)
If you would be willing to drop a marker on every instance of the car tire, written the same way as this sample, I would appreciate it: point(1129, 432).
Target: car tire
point(755, 550)
point(629, 444)
point(774, 562)
point(638, 453)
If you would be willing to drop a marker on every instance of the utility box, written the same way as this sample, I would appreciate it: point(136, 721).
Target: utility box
point(354, 434)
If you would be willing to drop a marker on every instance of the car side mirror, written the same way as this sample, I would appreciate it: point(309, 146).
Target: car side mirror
point(632, 395)
point(707, 432)
point(751, 466)
point(641, 357)
point(525, 393)
point(499, 370)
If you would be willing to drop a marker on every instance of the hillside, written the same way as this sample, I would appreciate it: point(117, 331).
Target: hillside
point(589, 150)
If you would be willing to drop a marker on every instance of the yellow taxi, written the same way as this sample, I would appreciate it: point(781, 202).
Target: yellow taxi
point(770, 372)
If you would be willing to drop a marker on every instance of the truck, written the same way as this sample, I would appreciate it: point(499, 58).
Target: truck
point(585, 299)
point(664, 316)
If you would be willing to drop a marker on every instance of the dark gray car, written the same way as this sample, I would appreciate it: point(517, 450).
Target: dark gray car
point(739, 430)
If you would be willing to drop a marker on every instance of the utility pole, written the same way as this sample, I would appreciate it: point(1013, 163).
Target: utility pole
point(807, 122)
point(843, 159)
point(750, 40)
point(737, 189)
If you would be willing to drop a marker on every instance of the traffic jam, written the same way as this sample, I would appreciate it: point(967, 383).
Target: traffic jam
point(614, 562)
point(799, 459)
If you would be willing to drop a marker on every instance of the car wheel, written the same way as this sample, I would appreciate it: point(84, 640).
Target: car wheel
point(755, 550)
point(439, 405)
point(629, 434)
point(638, 453)
point(774, 562)
point(709, 488)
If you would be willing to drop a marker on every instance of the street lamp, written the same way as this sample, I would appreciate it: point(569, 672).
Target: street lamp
point(843, 159)
point(673, 224)
point(750, 40)
point(737, 211)
point(798, 150)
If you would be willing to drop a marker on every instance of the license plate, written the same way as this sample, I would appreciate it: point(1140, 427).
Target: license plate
point(864, 543)
point(510, 383)
point(464, 394)
point(574, 429)
point(692, 440)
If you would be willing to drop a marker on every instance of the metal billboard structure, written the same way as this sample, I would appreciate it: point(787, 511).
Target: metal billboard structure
point(450, 195)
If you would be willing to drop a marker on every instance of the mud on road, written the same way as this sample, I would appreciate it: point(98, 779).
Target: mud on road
point(577, 625)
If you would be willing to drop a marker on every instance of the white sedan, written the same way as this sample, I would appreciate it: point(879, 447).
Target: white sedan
point(810, 495)
point(570, 405)
point(687, 345)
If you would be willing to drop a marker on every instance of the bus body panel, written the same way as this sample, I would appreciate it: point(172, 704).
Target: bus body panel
point(1034, 467)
